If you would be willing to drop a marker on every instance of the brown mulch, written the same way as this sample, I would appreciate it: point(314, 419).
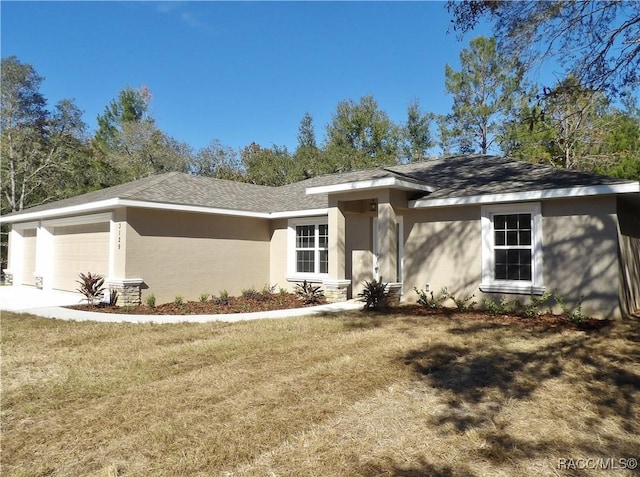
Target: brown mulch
point(546, 320)
point(276, 301)
point(279, 301)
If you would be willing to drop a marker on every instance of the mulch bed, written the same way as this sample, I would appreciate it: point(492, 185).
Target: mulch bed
point(279, 301)
point(547, 320)
point(276, 301)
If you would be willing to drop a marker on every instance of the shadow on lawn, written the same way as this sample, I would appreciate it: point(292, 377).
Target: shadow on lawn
point(482, 377)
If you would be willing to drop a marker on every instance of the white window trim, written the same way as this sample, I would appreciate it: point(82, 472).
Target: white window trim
point(292, 275)
point(489, 284)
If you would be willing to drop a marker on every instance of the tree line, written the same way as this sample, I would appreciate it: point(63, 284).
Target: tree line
point(588, 120)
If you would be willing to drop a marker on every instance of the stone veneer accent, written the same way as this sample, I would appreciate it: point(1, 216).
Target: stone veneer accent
point(394, 291)
point(129, 290)
point(8, 277)
point(336, 290)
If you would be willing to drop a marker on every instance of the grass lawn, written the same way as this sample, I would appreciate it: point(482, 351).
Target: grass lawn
point(350, 395)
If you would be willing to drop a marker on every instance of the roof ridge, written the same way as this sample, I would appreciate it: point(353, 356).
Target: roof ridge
point(154, 181)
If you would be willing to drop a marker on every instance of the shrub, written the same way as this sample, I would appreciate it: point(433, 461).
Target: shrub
point(575, 315)
point(204, 297)
point(309, 294)
point(223, 299)
point(113, 298)
point(252, 294)
point(269, 289)
point(178, 300)
point(91, 287)
point(427, 299)
point(375, 295)
point(532, 309)
point(496, 307)
point(465, 304)
point(151, 301)
point(283, 291)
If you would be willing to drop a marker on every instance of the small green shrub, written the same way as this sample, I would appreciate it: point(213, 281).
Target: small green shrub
point(375, 295)
point(496, 307)
point(532, 309)
point(309, 293)
point(222, 299)
point(269, 289)
point(427, 299)
point(151, 301)
point(178, 300)
point(252, 294)
point(204, 297)
point(465, 304)
point(575, 315)
point(113, 298)
point(91, 287)
point(283, 291)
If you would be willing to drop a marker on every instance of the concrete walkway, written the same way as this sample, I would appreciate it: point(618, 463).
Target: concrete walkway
point(50, 304)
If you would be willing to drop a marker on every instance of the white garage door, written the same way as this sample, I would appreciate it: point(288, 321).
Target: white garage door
point(29, 257)
point(79, 248)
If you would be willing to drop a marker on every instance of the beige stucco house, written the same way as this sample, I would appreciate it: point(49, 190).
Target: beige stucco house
point(480, 225)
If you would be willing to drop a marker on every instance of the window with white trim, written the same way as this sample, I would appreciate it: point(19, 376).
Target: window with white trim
point(512, 248)
point(308, 248)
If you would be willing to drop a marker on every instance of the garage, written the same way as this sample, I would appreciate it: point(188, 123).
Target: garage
point(79, 248)
point(29, 257)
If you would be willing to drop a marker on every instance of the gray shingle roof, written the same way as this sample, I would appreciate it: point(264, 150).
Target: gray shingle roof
point(451, 177)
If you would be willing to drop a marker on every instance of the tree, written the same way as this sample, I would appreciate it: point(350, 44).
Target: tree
point(360, 135)
point(37, 145)
point(131, 106)
point(272, 167)
point(598, 42)
point(216, 160)
point(131, 144)
point(484, 91)
point(308, 157)
point(417, 133)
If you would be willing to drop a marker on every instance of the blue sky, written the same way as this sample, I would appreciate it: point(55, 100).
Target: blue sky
point(238, 72)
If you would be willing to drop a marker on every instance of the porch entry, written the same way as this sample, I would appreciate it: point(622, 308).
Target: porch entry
point(399, 251)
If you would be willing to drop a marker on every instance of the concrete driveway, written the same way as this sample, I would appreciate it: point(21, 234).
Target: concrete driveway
point(20, 298)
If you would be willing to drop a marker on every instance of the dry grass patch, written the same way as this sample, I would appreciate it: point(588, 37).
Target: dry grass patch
point(350, 395)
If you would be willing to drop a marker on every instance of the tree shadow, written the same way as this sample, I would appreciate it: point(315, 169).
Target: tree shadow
point(422, 469)
point(480, 378)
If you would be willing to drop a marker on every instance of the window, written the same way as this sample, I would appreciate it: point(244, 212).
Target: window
point(511, 249)
point(310, 248)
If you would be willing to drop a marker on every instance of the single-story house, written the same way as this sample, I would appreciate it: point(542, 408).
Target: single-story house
point(481, 225)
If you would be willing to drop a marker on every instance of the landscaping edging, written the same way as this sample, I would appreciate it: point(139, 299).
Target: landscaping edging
point(62, 313)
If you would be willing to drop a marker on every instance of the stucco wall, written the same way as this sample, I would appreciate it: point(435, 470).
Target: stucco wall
point(580, 250)
point(579, 243)
point(187, 254)
point(358, 256)
point(278, 255)
point(442, 249)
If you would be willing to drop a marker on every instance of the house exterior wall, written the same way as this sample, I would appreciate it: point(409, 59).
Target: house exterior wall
point(187, 254)
point(442, 249)
point(579, 246)
point(279, 255)
point(629, 249)
point(580, 252)
point(358, 257)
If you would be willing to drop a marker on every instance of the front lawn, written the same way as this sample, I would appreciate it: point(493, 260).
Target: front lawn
point(350, 395)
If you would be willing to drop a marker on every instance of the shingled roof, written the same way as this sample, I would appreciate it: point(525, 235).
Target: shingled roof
point(459, 176)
